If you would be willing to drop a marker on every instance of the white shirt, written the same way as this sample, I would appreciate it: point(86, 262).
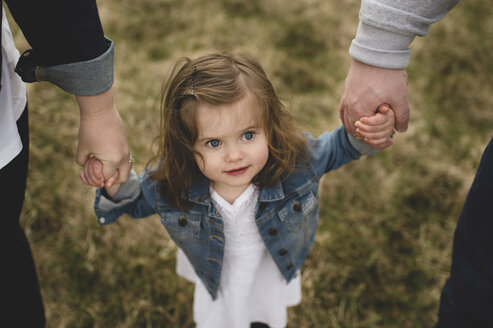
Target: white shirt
point(251, 287)
point(12, 98)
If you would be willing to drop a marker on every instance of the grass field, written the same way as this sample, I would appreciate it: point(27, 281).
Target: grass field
point(383, 248)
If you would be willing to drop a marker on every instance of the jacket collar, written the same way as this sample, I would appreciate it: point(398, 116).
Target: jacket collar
point(199, 192)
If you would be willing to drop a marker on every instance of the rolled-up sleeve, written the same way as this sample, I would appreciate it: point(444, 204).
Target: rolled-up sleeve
point(69, 48)
point(387, 28)
point(82, 78)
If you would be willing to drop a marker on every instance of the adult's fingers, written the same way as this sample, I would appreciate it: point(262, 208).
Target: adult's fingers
point(402, 115)
point(124, 170)
point(349, 115)
point(82, 155)
point(345, 119)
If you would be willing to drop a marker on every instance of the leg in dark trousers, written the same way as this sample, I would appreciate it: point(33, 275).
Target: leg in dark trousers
point(467, 297)
point(20, 296)
point(258, 325)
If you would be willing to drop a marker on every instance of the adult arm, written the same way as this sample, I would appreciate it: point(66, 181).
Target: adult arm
point(381, 53)
point(69, 49)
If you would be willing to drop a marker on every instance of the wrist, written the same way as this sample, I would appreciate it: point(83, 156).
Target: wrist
point(97, 106)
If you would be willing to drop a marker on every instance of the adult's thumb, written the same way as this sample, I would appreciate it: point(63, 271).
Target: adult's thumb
point(108, 170)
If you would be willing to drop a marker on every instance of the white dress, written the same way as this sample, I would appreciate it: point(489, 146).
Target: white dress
point(251, 287)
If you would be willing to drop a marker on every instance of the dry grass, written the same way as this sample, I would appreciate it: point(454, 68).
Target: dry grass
point(383, 248)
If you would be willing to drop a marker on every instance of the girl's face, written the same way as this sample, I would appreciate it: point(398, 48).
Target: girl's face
point(233, 147)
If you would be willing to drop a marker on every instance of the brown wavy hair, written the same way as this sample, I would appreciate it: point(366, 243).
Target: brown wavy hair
point(218, 79)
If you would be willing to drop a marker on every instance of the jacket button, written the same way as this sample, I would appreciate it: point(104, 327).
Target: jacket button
point(262, 206)
point(272, 231)
point(296, 206)
point(182, 221)
point(290, 266)
point(283, 251)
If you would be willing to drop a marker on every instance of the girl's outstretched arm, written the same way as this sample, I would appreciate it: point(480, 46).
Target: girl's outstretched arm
point(377, 130)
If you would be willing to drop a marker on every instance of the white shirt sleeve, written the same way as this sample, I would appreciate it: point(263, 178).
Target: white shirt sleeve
point(12, 98)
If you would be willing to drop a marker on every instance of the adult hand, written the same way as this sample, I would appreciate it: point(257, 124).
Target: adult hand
point(102, 135)
point(367, 87)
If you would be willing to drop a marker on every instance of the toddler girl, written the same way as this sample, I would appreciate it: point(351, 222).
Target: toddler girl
point(236, 186)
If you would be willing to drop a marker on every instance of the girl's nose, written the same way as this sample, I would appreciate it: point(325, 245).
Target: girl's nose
point(233, 154)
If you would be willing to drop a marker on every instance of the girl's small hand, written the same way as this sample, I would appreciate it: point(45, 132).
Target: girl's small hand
point(376, 130)
point(92, 175)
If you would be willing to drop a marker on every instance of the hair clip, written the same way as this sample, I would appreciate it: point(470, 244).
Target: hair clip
point(193, 79)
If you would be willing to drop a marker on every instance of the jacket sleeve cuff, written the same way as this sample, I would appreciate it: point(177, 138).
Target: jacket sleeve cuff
point(362, 147)
point(379, 47)
point(86, 78)
point(108, 209)
point(129, 190)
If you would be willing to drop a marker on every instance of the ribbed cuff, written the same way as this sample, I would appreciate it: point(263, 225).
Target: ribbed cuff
point(86, 78)
point(382, 48)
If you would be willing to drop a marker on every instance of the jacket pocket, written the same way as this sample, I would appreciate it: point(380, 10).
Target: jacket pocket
point(297, 211)
point(182, 226)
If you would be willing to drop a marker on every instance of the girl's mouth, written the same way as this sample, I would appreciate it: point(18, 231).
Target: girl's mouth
point(238, 171)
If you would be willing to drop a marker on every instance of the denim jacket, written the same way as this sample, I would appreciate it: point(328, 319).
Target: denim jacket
point(286, 214)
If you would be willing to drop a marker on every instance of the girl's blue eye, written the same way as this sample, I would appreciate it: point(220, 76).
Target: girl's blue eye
point(213, 143)
point(248, 135)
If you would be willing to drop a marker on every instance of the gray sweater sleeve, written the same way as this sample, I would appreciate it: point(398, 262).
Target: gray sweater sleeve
point(387, 28)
